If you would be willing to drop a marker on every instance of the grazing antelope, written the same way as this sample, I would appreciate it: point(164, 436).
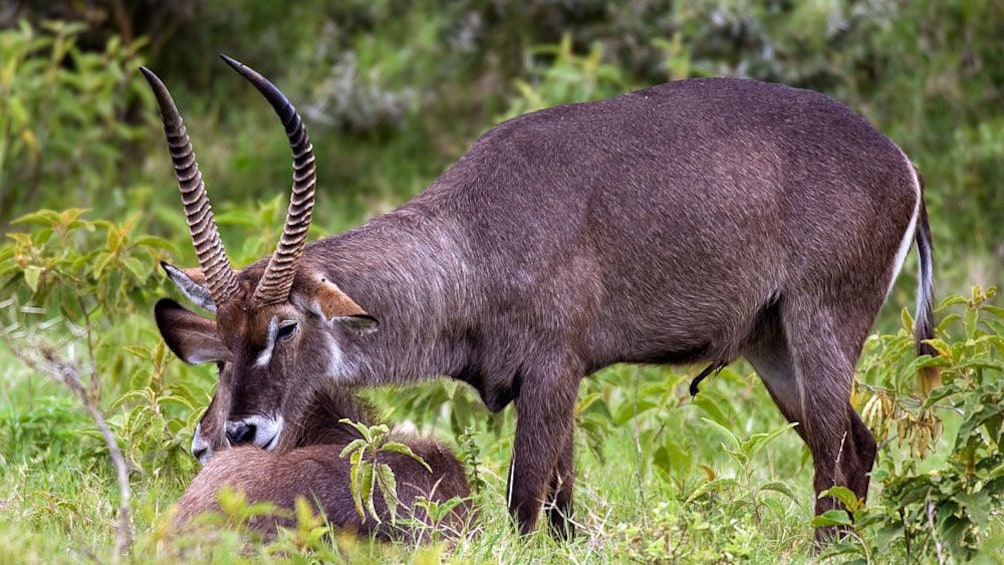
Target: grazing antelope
point(698, 220)
point(315, 471)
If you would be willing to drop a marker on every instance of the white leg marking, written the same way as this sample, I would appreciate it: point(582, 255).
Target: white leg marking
point(512, 470)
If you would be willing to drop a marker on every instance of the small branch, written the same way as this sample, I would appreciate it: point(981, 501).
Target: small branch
point(43, 358)
point(909, 401)
point(123, 21)
point(637, 437)
point(938, 548)
point(95, 382)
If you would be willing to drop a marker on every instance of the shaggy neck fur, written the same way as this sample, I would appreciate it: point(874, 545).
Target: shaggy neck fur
point(408, 270)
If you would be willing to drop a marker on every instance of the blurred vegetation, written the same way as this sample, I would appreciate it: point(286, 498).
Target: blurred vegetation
point(393, 92)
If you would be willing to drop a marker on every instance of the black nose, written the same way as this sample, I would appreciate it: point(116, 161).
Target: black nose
point(240, 432)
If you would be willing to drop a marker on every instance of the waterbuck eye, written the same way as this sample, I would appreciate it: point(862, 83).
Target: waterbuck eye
point(286, 330)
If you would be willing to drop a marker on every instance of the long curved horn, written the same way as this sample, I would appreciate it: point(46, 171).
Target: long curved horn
point(220, 276)
point(278, 278)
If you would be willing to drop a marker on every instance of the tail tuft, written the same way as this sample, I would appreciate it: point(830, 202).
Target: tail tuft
point(923, 326)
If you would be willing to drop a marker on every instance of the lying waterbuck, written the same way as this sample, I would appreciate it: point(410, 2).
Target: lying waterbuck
point(315, 471)
point(698, 220)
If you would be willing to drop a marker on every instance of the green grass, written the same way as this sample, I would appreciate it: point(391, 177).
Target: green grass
point(59, 497)
point(682, 497)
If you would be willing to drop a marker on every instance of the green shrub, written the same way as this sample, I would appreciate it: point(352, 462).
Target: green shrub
point(63, 117)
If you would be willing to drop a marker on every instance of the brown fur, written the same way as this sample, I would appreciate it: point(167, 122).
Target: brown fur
point(315, 471)
point(699, 220)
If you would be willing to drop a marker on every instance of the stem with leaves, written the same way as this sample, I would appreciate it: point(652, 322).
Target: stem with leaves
point(367, 474)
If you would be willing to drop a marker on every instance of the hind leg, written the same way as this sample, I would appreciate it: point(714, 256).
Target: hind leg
point(806, 360)
point(559, 505)
point(865, 449)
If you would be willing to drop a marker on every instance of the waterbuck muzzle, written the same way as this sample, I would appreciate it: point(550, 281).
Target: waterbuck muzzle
point(273, 319)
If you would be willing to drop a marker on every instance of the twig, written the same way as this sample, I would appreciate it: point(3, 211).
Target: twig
point(43, 358)
point(637, 437)
point(939, 550)
point(95, 382)
point(909, 401)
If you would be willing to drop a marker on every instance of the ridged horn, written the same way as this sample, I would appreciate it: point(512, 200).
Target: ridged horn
point(277, 281)
point(220, 276)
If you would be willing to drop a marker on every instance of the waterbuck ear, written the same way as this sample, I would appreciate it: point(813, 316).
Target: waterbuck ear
point(192, 283)
point(190, 336)
point(327, 301)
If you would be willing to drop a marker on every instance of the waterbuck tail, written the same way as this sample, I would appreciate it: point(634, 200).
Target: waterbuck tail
point(923, 325)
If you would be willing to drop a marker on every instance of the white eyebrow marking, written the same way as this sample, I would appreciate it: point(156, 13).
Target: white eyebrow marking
point(266, 354)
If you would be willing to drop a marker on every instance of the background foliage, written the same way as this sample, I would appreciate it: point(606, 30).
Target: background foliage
point(393, 92)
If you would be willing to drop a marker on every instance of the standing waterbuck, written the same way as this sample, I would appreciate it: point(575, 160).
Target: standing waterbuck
point(698, 220)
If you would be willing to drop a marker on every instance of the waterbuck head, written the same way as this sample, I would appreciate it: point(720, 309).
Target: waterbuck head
point(274, 320)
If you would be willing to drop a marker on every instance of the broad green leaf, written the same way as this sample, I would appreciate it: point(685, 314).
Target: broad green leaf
point(353, 447)
point(586, 401)
point(946, 322)
point(711, 486)
point(978, 505)
point(388, 487)
point(403, 449)
point(355, 483)
point(952, 301)
point(154, 242)
point(102, 262)
point(137, 269)
point(995, 310)
point(844, 495)
point(757, 441)
point(905, 319)
point(970, 318)
point(115, 240)
point(43, 217)
point(69, 216)
point(723, 430)
point(779, 487)
point(709, 404)
point(832, 518)
point(32, 274)
point(367, 480)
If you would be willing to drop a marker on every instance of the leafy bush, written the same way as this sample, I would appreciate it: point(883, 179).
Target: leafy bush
point(942, 505)
point(82, 285)
point(63, 115)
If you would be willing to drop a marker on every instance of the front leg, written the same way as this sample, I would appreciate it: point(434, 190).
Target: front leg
point(545, 412)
